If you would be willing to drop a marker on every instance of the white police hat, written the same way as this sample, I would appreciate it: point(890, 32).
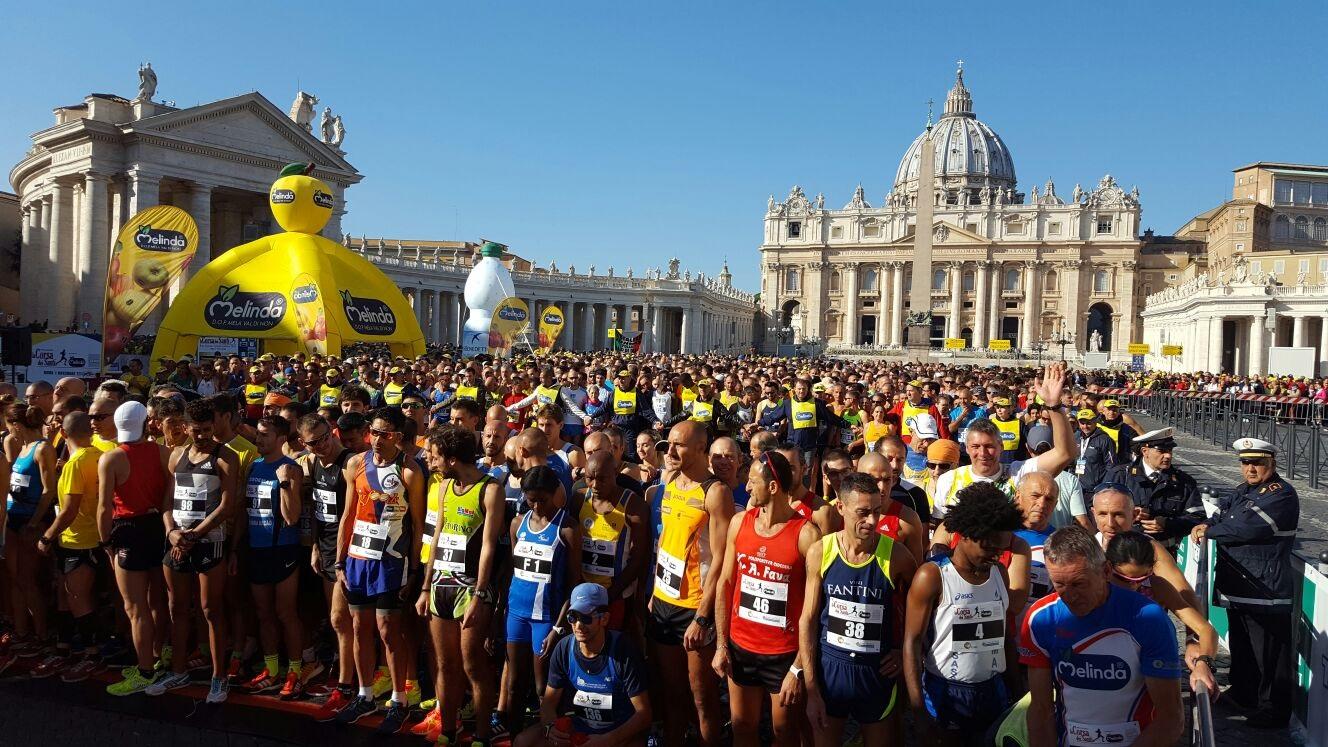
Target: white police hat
point(1159, 438)
point(1253, 448)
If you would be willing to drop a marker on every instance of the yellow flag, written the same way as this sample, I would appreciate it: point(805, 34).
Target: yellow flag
point(550, 326)
point(511, 317)
point(151, 251)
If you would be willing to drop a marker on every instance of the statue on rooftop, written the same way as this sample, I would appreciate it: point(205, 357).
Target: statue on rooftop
point(147, 81)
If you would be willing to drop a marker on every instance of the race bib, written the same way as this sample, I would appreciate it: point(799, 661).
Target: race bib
point(368, 540)
point(763, 602)
point(260, 500)
point(1039, 582)
point(451, 555)
point(1084, 735)
point(668, 574)
point(1080, 466)
point(325, 505)
point(533, 562)
point(855, 627)
point(594, 708)
point(599, 556)
point(430, 524)
point(19, 481)
point(978, 628)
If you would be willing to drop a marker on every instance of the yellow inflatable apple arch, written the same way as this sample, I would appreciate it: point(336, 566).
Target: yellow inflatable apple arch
point(297, 291)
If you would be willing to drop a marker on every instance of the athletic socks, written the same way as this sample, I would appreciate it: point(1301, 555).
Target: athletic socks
point(366, 691)
point(273, 664)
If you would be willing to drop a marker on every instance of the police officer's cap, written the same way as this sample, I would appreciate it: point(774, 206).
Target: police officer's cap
point(1158, 439)
point(1253, 448)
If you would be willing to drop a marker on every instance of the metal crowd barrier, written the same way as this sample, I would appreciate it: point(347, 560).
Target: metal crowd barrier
point(1295, 425)
point(1202, 734)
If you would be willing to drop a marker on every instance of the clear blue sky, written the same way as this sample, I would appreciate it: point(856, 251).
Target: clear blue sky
point(623, 133)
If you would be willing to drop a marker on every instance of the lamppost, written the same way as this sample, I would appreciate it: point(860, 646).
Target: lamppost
point(1039, 346)
point(1062, 338)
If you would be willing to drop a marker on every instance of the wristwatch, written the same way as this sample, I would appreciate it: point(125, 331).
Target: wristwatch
point(795, 670)
point(486, 595)
point(340, 565)
point(1205, 658)
point(704, 621)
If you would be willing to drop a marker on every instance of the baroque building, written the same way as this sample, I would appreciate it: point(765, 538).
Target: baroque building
point(1034, 266)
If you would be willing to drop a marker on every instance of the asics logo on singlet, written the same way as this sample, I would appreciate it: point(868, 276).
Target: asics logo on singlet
point(1094, 672)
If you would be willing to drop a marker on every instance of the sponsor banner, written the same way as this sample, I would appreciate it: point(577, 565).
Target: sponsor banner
point(225, 347)
point(55, 356)
point(1139, 348)
point(1173, 349)
point(151, 251)
point(511, 319)
point(955, 343)
point(998, 344)
point(550, 326)
point(310, 318)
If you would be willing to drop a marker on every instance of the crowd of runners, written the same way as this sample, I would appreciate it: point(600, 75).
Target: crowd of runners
point(620, 549)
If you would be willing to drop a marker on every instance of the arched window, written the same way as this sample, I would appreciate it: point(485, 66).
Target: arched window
point(1302, 227)
point(1320, 229)
point(1148, 290)
point(1011, 280)
point(1102, 281)
point(869, 279)
point(791, 281)
point(1049, 282)
point(834, 281)
point(968, 281)
point(1281, 227)
point(938, 280)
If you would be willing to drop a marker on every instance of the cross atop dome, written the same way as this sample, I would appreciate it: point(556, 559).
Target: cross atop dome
point(958, 103)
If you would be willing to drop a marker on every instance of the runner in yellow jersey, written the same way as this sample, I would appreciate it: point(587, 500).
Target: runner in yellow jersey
point(695, 510)
point(615, 543)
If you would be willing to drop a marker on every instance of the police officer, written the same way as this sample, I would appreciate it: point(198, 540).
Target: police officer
point(1254, 531)
point(1169, 497)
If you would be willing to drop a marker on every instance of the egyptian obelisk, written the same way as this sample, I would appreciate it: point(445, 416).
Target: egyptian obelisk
point(919, 292)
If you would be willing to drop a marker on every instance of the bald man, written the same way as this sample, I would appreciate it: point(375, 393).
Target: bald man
point(695, 510)
point(70, 386)
point(762, 442)
point(614, 556)
point(726, 463)
point(1114, 512)
point(898, 519)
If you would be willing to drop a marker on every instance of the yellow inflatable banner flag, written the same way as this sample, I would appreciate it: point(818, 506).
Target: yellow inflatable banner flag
point(310, 318)
point(550, 326)
point(511, 318)
point(151, 251)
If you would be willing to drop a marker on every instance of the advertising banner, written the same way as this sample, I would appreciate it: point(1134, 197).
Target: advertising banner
point(151, 251)
point(550, 326)
point(954, 343)
point(310, 319)
point(1139, 348)
point(511, 318)
point(55, 356)
point(998, 344)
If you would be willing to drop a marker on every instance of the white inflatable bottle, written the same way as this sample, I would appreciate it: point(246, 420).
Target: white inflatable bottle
point(489, 283)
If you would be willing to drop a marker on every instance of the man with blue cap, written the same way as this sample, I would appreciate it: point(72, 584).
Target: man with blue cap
point(596, 674)
point(1255, 529)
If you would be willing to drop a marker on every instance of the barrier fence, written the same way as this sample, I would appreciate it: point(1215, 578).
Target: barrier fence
point(1295, 425)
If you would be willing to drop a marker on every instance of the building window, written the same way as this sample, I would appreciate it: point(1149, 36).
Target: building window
point(1240, 225)
point(1171, 277)
point(1320, 229)
point(1301, 192)
point(1148, 291)
point(1011, 280)
point(1323, 265)
point(1304, 265)
point(869, 279)
point(1102, 281)
point(938, 280)
point(1240, 247)
point(1257, 267)
point(871, 231)
point(1281, 227)
point(951, 197)
point(1015, 227)
point(1104, 225)
point(1049, 282)
point(791, 281)
point(1282, 191)
point(834, 281)
point(837, 232)
point(971, 227)
point(968, 281)
point(1302, 227)
point(1320, 195)
point(795, 229)
point(1279, 267)
point(1054, 229)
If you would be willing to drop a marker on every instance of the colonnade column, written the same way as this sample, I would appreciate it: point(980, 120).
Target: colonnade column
point(569, 327)
point(94, 247)
point(850, 304)
point(981, 292)
point(1323, 344)
point(1027, 330)
point(956, 326)
point(996, 303)
point(685, 339)
point(897, 304)
point(1258, 352)
point(1215, 344)
point(1299, 335)
point(54, 302)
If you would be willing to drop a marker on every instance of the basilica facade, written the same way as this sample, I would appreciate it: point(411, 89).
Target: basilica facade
point(1039, 265)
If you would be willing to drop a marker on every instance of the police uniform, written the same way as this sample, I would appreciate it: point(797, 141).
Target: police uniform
point(1254, 530)
point(1169, 494)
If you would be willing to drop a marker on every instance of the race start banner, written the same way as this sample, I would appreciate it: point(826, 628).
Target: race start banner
point(511, 318)
point(550, 326)
point(55, 356)
point(151, 251)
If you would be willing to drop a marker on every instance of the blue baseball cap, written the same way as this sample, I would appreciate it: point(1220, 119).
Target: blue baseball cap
point(589, 597)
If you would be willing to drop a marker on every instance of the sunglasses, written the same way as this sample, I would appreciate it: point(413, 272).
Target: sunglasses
point(583, 618)
point(381, 434)
point(318, 440)
point(412, 405)
point(942, 466)
point(1131, 579)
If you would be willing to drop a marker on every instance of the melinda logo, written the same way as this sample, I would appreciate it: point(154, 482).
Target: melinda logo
point(305, 294)
point(512, 314)
point(552, 318)
point(233, 309)
point(283, 196)
point(1094, 672)
point(322, 199)
point(368, 316)
point(159, 239)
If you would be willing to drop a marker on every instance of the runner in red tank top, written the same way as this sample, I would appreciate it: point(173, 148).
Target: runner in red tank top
point(759, 601)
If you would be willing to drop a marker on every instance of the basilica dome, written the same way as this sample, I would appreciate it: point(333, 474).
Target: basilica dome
point(969, 155)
